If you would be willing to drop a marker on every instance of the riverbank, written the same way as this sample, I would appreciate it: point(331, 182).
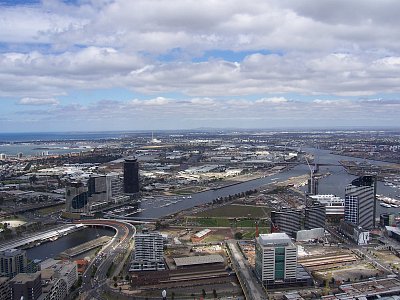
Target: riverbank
point(362, 156)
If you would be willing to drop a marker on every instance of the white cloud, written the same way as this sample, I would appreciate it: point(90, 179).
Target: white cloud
point(332, 48)
point(189, 114)
point(38, 101)
point(274, 100)
point(159, 101)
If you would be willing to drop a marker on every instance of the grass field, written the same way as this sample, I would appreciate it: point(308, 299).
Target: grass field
point(236, 211)
point(250, 234)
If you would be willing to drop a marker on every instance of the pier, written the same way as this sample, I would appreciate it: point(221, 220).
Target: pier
point(74, 251)
point(38, 238)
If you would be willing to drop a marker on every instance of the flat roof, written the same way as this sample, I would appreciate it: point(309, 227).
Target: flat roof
point(198, 260)
point(25, 277)
point(276, 238)
point(372, 287)
point(202, 233)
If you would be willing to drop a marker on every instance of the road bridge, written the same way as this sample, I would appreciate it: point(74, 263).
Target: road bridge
point(95, 277)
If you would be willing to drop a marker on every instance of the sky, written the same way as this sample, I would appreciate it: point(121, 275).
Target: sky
point(96, 65)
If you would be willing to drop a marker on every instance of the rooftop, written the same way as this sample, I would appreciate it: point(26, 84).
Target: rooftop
point(202, 233)
point(276, 238)
point(11, 252)
point(198, 260)
point(388, 286)
point(22, 278)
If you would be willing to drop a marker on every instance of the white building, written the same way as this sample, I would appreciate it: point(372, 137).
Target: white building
point(276, 259)
point(334, 204)
point(149, 251)
point(311, 234)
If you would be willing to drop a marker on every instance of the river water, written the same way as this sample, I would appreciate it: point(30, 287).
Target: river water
point(333, 184)
point(52, 249)
point(31, 149)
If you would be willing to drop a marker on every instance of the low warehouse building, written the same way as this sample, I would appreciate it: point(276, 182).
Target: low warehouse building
point(190, 261)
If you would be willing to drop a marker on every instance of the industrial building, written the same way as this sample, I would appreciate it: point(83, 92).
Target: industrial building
point(199, 236)
point(190, 261)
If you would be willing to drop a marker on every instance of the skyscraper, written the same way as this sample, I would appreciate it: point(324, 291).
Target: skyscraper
point(276, 259)
point(131, 176)
point(12, 262)
point(360, 202)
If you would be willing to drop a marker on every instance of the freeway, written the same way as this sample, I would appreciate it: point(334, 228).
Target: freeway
point(94, 280)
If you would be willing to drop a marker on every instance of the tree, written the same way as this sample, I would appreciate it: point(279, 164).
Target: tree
point(127, 277)
point(203, 292)
point(32, 179)
point(238, 235)
point(158, 225)
point(115, 278)
point(215, 294)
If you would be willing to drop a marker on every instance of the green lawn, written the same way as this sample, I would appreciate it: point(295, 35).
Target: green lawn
point(224, 222)
point(212, 222)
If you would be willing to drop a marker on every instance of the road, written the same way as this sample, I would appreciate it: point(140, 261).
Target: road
point(94, 280)
point(251, 288)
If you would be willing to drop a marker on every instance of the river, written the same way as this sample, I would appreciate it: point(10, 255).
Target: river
point(52, 249)
point(333, 184)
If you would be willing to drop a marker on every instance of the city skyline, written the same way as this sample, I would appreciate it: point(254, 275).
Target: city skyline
point(148, 65)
